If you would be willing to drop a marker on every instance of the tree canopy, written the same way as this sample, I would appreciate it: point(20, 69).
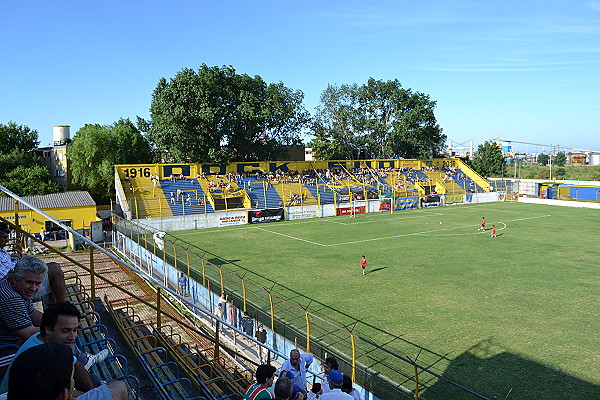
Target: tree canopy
point(560, 159)
point(96, 149)
point(13, 136)
point(379, 119)
point(20, 171)
point(543, 159)
point(216, 115)
point(489, 160)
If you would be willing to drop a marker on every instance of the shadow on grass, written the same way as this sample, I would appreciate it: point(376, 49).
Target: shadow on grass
point(376, 269)
point(494, 372)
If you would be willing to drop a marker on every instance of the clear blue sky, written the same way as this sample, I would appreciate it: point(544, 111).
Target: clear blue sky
point(521, 70)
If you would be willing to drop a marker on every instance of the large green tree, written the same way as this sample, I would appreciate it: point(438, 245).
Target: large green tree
point(96, 149)
point(216, 115)
point(489, 160)
point(378, 119)
point(20, 171)
point(335, 127)
point(13, 136)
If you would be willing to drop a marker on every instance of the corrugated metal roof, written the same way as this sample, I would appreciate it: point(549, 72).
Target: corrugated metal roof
point(54, 200)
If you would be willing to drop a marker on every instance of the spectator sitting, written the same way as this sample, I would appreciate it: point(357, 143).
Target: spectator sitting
point(18, 317)
point(46, 372)
point(60, 324)
point(265, 375)
point(54, 280)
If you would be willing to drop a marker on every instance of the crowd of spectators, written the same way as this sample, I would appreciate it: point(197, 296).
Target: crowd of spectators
point(292, 381)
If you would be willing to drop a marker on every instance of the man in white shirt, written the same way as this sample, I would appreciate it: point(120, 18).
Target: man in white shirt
point(336, 380)
point(295, 369)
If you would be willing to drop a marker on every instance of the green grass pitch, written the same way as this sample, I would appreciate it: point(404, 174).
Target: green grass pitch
point(517, 311)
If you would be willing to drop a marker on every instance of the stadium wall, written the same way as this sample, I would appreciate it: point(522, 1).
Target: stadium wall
point(563, 203)
point(231, 218)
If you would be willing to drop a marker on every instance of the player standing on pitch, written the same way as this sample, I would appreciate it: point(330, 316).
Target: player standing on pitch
point(363, 264)
point(493, 231)
point(482, 225)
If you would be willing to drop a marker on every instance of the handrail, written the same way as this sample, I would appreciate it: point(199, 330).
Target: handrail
point(134, 269)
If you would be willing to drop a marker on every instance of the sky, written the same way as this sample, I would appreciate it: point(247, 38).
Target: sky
point(522, 70)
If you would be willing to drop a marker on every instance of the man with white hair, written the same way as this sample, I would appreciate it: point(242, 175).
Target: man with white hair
point(18, 317)
point(54, 279)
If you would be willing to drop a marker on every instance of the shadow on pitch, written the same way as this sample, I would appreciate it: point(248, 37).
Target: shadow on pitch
point(495, 371)
point(376, 269)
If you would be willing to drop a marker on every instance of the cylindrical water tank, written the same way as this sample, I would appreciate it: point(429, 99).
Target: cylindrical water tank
point(60, 134)
point(595, 159)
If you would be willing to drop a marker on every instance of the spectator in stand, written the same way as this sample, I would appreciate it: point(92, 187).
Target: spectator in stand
point(221, 310)
point(18, 317)
point(315, 392)
point(349, 389)
point(46, 373)
point(284, 390)
point(60, 324)
point(336, 380)
point(329, 364)
point(247, 325)
point(296, 367)
point(265, 375)
point(232, 314)
point(181, 284)
point(261, 336)
point(54, 280)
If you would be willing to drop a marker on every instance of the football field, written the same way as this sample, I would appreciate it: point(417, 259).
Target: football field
point(519, 311)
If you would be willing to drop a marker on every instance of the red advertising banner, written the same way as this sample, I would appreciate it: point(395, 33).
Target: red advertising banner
point(348, 210)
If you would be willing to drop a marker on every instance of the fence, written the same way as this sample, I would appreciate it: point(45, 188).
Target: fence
point(397, 369)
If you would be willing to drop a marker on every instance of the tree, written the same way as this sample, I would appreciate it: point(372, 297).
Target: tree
point(217, 115)
point(335, 125)
point(381, 118)
point(96, 149)
point(489, 160)
point(13, 136)
point(20, 171)
point(543, 159)
point(31, 181)
point(560, 160)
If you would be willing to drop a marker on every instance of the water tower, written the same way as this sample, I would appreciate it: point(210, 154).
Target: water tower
point(61, 134)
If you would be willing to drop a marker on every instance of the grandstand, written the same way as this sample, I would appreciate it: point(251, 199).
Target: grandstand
point(165, 190)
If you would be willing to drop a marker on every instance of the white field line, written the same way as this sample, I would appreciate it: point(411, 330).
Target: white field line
point(429, 232)
point(465, 234)
point(290, 237)
point(378, 220)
